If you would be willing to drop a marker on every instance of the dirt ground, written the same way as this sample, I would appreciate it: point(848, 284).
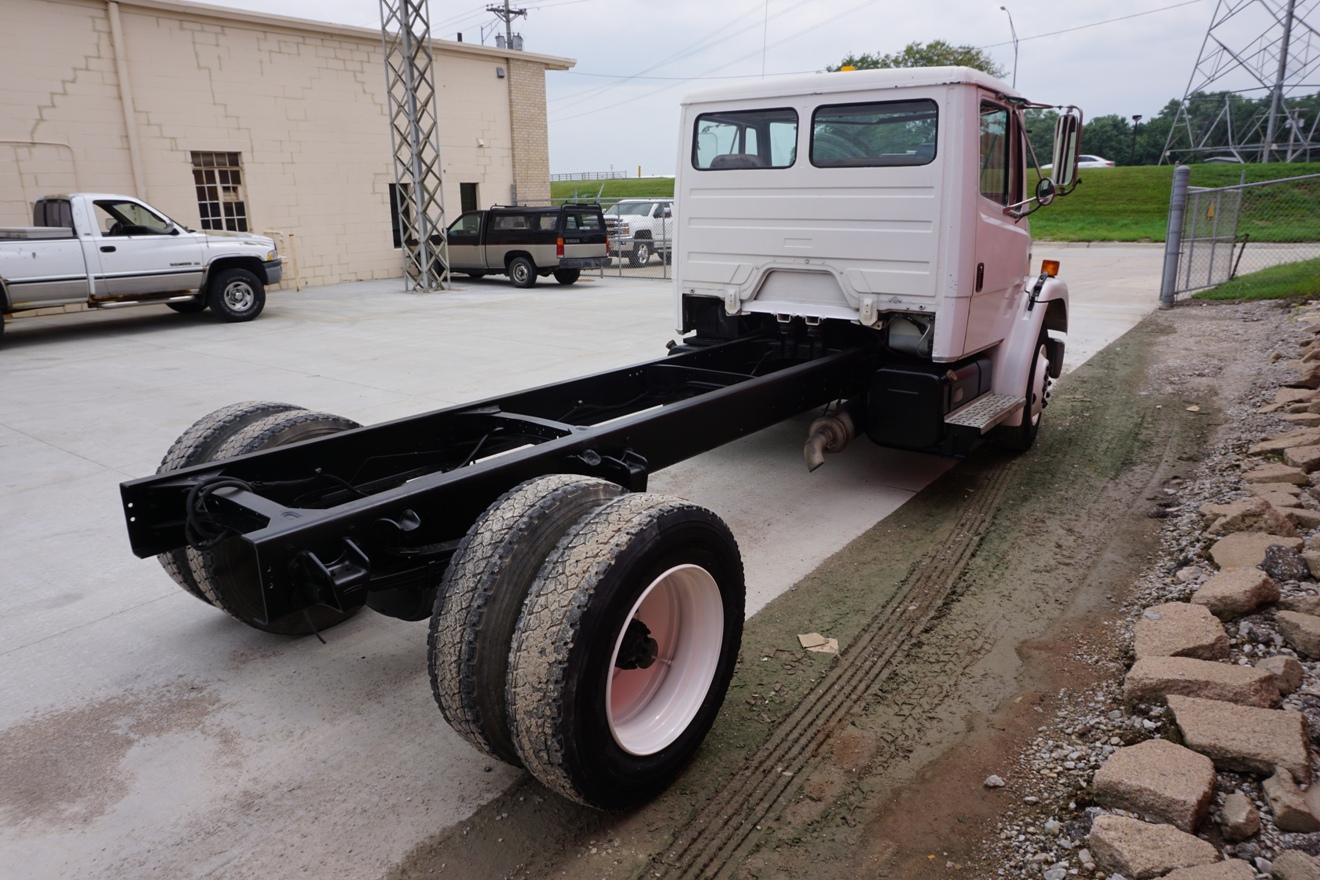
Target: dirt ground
point(960, 620)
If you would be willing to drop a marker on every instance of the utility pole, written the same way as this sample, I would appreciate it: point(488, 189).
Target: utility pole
point(1012, 30)
point(1276, 94)
point(765, 30)
point(507, 15)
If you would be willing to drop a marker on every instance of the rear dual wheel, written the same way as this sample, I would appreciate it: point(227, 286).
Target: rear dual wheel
point(589, 637)
point(224, 574)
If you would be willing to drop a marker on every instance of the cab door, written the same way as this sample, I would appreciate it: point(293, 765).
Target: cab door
point(142, 253)
point(465, 242)
point(1003, 243)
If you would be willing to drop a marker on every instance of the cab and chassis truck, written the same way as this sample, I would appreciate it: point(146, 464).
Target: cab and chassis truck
point(854, 243)
point(103, 250)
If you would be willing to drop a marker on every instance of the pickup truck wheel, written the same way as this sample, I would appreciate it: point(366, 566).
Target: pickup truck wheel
point(641, 253)
point(482, 594)
point(1021, 437)
point(196, 445)
point(522, 272)
point(568, 276)
point(189, 307)
point(226, 571)
point(625, 649)
point(236, 295)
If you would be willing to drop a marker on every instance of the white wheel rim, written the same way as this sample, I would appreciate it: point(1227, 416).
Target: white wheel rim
point(648, 709)
point(1039, 384)
point(239, 296)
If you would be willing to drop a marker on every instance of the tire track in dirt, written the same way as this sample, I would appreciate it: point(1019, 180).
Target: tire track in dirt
point(706, 845)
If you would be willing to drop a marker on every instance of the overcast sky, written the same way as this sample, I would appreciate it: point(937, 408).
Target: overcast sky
point(596, 122)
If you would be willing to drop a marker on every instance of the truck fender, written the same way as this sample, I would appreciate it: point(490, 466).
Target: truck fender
point(1047, 310)
point(227, 261)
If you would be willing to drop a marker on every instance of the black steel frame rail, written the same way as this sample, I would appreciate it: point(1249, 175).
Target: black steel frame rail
point(361, 509)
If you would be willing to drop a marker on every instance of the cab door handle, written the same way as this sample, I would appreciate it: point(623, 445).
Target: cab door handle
point(980, 276)
point(107, 249)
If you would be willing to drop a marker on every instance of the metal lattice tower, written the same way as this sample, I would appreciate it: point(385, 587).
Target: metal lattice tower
point(1263, 49)
point(414, 138)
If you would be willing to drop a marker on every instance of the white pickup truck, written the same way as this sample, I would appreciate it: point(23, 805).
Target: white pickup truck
point(107, 251)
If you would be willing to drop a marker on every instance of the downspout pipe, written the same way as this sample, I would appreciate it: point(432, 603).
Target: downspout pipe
point(126, 98)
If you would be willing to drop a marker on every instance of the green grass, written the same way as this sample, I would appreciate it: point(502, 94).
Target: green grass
point(1116, 204)
point(1132, 204)
point(1277, 282)
point(626, 188)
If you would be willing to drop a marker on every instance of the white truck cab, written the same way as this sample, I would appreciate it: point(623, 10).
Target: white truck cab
point(890, 200)
point(104, 250)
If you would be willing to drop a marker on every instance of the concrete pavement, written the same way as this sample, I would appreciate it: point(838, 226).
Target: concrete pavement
point(144, 734)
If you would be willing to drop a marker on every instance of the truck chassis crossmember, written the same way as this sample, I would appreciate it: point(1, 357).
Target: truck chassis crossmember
point(381, 509)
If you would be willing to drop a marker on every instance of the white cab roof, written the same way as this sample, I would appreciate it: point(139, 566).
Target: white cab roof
point(850, 81)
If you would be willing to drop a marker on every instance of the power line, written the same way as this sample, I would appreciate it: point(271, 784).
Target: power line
point(700, 45)
point(705, 74)
point(1082, 27)
point(708, 76)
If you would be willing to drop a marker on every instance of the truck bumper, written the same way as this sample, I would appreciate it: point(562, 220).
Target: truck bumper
point(583, 262)
point(274, 271)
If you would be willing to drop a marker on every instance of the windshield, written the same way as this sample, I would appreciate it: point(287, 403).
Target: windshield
point(631, 209)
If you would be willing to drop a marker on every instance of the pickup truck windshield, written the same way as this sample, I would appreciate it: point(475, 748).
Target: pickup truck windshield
point(129, 218)
point(631, 209)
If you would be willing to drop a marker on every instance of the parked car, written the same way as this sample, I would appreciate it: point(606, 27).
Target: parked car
point(1086, 160)
point(650, 229)
point(108, 251)
point(527, 243)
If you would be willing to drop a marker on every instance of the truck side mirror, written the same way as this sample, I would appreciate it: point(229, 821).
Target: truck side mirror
point(1067, 143)
point(1045, 191)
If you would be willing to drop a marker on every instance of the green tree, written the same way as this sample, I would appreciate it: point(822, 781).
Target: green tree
point(936, 53)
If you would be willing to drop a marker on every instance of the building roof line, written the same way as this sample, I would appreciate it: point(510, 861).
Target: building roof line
point(270, 20)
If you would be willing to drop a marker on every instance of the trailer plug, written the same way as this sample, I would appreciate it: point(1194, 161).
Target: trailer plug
point(829, 433)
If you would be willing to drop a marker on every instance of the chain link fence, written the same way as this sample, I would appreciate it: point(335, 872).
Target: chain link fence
point(1233, 233)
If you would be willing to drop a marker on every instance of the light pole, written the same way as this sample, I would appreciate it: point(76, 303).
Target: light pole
point(1013, 31)
point(1132, 151)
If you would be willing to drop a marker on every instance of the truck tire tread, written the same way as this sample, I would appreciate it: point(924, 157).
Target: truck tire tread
point(219, 570)
point(574, 576)
point(198, 444)
point(482, 594)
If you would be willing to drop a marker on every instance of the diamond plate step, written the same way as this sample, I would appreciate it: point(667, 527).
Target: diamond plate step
point(984, 412)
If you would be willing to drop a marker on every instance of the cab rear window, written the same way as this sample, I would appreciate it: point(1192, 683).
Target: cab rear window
point(737, 139)
point(587, 222)
point(874, 134)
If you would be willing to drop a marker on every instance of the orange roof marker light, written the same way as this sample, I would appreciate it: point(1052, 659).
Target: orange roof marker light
point(1050, 268)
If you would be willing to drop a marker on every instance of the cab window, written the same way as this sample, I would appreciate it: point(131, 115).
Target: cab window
point(994, 153)
point(468, 224)
point(874, 134)
point(129, 218)
point(745, 139)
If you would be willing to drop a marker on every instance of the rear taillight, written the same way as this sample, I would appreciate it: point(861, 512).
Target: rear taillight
point(559, 246)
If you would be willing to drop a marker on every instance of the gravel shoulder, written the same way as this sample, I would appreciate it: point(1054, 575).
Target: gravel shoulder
point(960, 618)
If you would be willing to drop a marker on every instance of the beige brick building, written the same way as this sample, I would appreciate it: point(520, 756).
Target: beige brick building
point(234, 119)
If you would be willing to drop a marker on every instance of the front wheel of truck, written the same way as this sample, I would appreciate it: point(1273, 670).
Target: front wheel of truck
point(1020, 437)
point(236, 295)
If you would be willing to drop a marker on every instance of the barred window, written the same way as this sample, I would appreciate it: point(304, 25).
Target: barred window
point(220, 198)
